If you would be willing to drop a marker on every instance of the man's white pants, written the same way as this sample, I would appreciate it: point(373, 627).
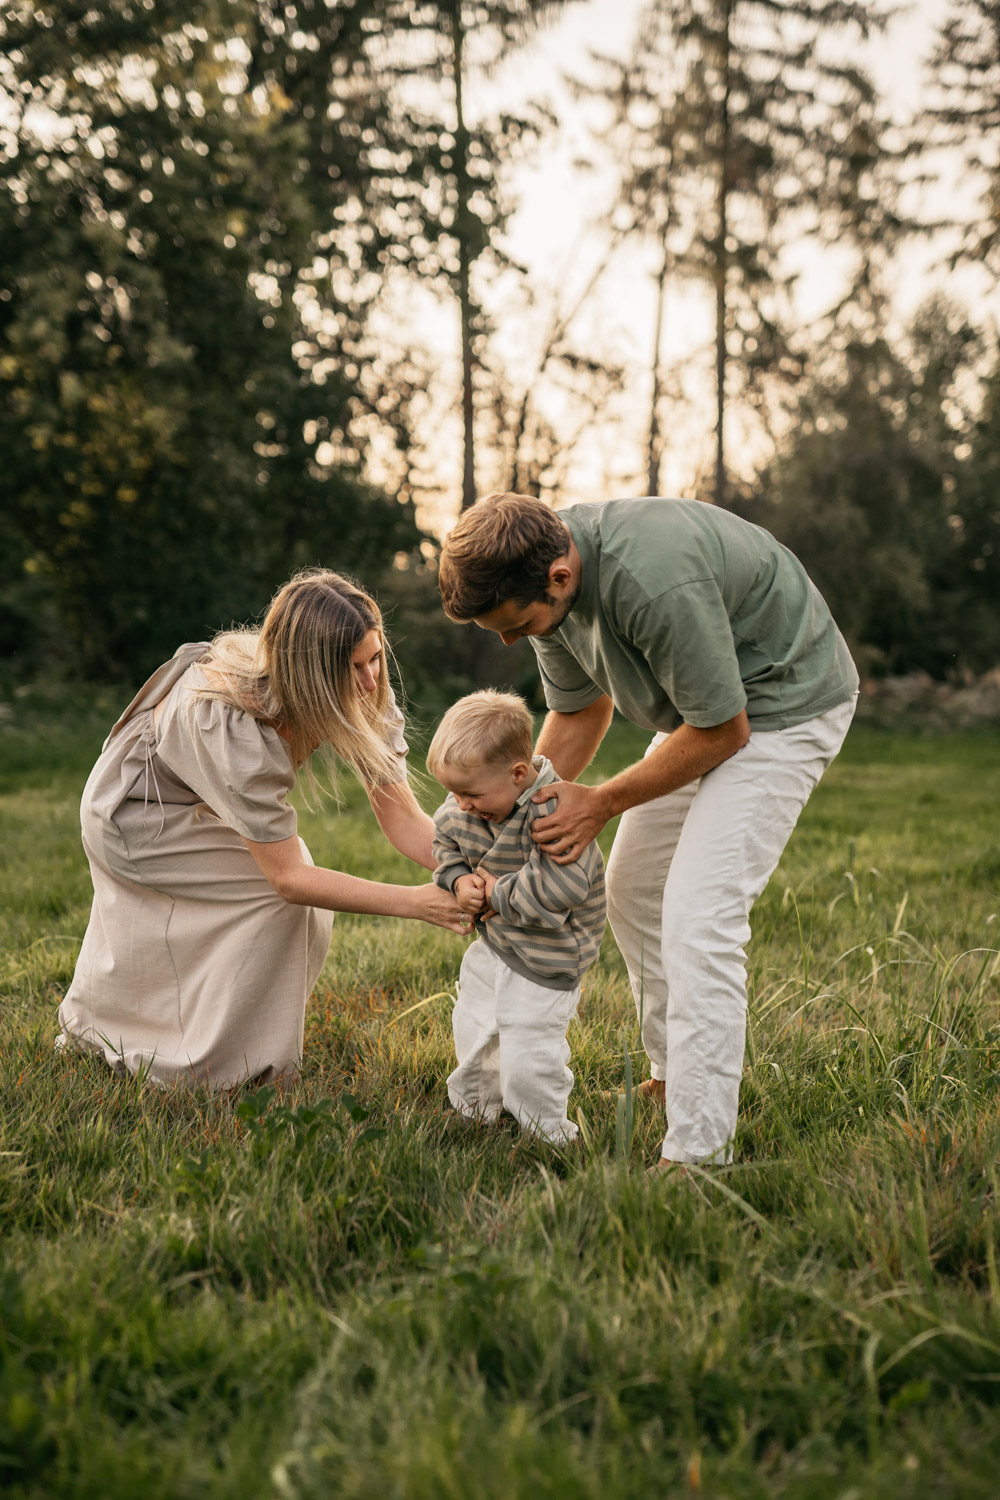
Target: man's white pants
point(510, 1041)
point(683, 874)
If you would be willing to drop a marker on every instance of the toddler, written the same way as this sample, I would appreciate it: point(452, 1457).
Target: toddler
point(539, 924)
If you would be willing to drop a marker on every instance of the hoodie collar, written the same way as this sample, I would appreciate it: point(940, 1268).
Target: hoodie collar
point(546, 774)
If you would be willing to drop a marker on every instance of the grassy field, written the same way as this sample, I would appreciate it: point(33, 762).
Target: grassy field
point(348, 1294)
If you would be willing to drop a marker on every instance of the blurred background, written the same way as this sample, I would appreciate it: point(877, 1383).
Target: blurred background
point(287, 283)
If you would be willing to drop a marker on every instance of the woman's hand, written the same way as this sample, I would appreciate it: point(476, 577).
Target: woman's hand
point(285, 868)
point(431, 904)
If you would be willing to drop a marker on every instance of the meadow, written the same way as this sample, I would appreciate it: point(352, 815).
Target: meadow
point(347, 1293)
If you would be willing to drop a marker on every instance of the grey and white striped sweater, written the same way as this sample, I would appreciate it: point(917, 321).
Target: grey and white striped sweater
point(549, 918)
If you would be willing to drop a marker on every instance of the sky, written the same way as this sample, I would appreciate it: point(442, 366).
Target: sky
point(551, 233)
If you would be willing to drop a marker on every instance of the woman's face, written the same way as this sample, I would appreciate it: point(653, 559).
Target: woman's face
point(367, 661)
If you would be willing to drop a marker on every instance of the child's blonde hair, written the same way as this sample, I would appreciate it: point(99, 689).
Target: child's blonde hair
point(482, 729)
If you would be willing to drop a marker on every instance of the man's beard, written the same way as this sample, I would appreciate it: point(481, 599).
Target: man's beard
point(567, 605)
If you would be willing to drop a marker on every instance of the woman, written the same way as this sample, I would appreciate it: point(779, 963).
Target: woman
point(210, 923)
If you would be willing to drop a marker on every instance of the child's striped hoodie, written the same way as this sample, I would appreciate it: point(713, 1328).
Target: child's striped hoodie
point(549, 917)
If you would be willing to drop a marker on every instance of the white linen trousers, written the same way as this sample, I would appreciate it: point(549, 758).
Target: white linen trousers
point(684, 872)
point(510, 1042)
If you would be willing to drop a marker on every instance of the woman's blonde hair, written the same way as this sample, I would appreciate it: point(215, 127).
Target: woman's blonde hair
point(483, 729)
point(296, 673)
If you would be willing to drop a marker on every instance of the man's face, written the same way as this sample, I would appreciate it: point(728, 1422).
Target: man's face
point(541, 617)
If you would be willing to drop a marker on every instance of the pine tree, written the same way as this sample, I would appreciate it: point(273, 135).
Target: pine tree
point(422, 192)
point(875, 491)
point(742, 127)
point(154, 219)
point(963, 115)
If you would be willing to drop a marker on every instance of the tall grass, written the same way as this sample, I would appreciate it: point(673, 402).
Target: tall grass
point(347, 1292)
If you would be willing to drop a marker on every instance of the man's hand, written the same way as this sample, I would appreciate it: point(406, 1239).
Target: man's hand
point(684, 756)
point(579, 817)
point(470, 893)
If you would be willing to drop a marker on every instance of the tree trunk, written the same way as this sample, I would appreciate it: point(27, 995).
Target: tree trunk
point(464, 267)
point(558, 328)
point(520, 427)
point(655, 435)
point(721, 262)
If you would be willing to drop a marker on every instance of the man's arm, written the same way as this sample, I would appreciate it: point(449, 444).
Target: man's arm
point(570, 740)
point(682, 757)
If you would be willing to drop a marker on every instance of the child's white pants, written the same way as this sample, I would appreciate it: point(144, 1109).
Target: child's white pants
point(510, 1041)
point(683, 874)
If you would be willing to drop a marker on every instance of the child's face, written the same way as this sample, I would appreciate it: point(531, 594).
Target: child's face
point(490, 791)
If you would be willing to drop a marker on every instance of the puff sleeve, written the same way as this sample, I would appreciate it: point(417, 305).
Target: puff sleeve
point(240, 768)
point(394, 736)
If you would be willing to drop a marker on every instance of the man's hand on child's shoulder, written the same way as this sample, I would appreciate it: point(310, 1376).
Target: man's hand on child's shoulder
point(577, 819)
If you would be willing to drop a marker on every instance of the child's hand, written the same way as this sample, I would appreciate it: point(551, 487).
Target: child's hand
point(489, 881)
point(470, 893)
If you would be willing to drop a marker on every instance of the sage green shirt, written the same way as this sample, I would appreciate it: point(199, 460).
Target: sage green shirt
point(688, 613)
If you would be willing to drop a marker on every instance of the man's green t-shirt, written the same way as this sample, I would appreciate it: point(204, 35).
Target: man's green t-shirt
point(688, 613)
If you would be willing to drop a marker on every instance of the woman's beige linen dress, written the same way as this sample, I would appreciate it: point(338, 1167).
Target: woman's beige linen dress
point(192, 967)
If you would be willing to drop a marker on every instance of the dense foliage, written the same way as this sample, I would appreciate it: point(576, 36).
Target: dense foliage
point(160, 440)
point(885, 490)
point(206, 206)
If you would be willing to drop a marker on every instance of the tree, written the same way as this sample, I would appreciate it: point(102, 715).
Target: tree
point(741, 127)
point(654, 131)
point(963, 115)
point(161, 443)
point(973, 562)
point(865, 492)
point(419, 188)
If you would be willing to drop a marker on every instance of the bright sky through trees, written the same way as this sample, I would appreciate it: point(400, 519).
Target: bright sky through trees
point(554, 233)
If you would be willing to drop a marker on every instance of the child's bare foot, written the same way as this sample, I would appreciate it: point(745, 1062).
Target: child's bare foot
point(663, 1164)
point(651, 1089)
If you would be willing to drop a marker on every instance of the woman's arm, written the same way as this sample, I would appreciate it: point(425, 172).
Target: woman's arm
point(404, 823)
point(303, 884)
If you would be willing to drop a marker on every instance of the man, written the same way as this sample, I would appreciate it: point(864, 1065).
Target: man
point(702, 628)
